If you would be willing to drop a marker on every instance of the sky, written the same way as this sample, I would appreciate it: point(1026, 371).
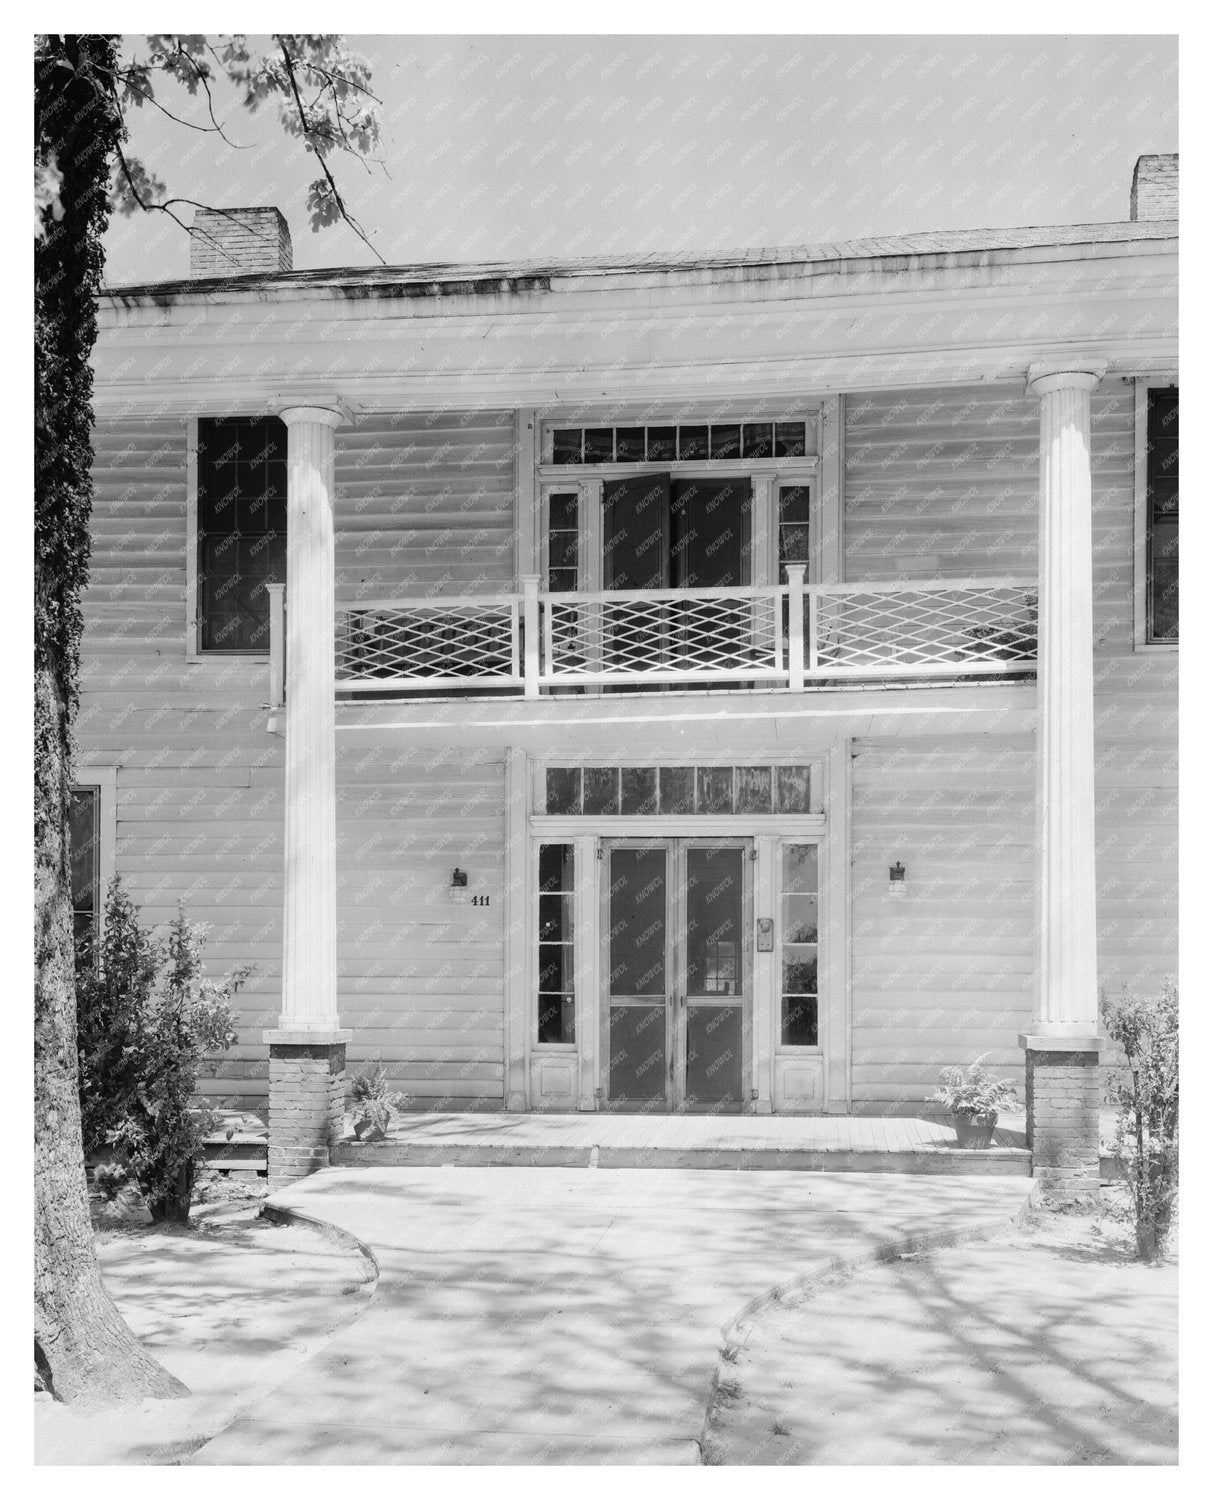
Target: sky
point(519, 147)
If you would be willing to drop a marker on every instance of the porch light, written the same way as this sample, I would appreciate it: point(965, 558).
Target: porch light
point(897, 879)
point(459, 879)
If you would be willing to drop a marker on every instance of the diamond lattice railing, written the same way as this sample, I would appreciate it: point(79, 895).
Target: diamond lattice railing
point(669, 635)
point(453, 643)
point(968, 626)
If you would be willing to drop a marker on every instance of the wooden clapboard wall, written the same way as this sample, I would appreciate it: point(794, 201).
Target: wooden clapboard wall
point(200, 781)
point(945, 484)
point(425, 504)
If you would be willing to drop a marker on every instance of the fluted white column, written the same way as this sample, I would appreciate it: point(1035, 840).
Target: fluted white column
point(309, 944)
point(1067, 998)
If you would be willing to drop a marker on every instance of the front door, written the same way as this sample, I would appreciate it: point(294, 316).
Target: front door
point(677, 974)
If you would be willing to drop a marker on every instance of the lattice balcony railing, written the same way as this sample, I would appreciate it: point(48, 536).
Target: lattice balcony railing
point(666, 635)
point(777, 636)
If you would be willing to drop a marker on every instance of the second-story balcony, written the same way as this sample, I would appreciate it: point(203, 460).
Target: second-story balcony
point(786, 637)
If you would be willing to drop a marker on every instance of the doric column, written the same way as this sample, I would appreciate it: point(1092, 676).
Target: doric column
point(307, 1052)
point(1063, 1046)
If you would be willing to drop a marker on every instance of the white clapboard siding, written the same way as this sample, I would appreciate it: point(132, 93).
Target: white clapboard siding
point(200, 781)
point(425, 503)
point(941, 484)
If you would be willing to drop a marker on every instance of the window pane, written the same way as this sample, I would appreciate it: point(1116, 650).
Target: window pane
point(566, 446)
point(556, 1008)
point(564, 789)
point(753, 789)
point(637, 922)
point(562, 511)
point(599, 445)
point(715, 789)
point(799, 970)
point(726, 440)
point(555, 867)
point(799, 918)
point(799, 1021)
point(601, 793)
point(241, 529)
point(789, 440)
point(662, 444)
point(692, 443)
point(677, 789)
point(639, 790)
point(629, 445)
point(562, 549)
point(83, 836)
point(1162, 493)
point(792, 789)
point(800, 868)
point(714, 921)
point(757, 440)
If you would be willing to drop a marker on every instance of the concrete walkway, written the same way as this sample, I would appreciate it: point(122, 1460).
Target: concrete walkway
point(563, 1315)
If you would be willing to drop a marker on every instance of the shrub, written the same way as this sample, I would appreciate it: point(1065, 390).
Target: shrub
point(111, 1003)
point(168, 1018)
point(1145, 1090)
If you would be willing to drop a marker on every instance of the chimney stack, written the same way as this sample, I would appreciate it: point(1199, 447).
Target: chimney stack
point(239, 242)
point(1155, 193)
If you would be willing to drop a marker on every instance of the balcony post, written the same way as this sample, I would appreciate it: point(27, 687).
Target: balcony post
point(796, 627)
point(307, 1051)
point(530, 630)
point(1062, 1049)
point(277, 593)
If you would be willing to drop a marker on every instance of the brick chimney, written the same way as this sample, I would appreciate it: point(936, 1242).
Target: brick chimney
point(239, 242)
point(1155, 193)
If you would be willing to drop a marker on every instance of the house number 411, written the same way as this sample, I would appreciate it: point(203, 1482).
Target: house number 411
point(480, 900)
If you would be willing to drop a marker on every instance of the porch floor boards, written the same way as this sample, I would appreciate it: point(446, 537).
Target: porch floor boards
point(835, 1143)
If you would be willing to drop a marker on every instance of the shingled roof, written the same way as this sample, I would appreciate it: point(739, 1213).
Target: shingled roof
point(827, 255)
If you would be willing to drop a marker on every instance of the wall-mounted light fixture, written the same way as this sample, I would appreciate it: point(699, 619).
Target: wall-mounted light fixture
point(897, 879)
point(459, 879)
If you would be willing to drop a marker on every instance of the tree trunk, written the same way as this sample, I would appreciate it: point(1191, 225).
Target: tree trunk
point(83, 1349)
point(88, 1351)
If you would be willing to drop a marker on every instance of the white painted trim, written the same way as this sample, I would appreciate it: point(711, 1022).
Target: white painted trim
point(192, 653)
point(526, 496)
point(558, 829)
point(1141, 520)
point(839, 928)
point(586, 966)
point(520, 879)
point(105, 779)
point(765, 1012)
point(829, 538)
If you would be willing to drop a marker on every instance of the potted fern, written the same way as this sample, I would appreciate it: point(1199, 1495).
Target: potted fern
point(972, 1098)
point(372, 1103)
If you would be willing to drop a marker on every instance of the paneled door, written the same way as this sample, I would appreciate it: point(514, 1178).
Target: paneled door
point(677, 950)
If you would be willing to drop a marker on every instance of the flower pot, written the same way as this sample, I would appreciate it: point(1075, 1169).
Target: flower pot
point(367, 1130)
point(975, 1132)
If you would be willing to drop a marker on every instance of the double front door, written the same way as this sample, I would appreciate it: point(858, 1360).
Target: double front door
point(677, 968)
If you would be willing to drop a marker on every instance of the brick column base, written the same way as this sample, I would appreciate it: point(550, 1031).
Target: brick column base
point(307, 1101)
point(1063, 1098)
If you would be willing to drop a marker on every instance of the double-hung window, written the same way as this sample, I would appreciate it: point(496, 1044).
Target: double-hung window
point(241, 530)
point(1162, 516)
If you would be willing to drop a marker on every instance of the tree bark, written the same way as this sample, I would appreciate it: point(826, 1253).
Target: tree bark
point(83, 1350)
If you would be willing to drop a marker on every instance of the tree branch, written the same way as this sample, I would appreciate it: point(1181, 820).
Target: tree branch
point(337, 198)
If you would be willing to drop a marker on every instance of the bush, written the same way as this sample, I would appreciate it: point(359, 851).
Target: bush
point(1145, 1089)
point(148, 1021)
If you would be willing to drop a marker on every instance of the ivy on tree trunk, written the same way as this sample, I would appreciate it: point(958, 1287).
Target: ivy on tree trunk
point(83, 1349)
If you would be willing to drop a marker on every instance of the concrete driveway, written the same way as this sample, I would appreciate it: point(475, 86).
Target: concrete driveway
point(562, 1315)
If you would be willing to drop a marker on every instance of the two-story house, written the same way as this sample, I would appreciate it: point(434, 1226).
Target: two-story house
point(743, 683)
